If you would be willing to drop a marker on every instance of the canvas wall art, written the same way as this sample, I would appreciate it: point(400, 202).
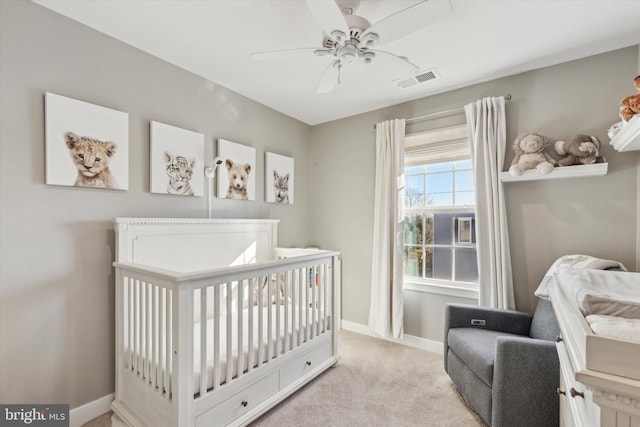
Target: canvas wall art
point(279, 179)
point(86, 145)
point(237, 175)
point(177, 160)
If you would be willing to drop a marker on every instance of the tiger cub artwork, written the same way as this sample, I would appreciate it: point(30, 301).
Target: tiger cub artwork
point(281, 187)
point(180, 170)
point(91, 157)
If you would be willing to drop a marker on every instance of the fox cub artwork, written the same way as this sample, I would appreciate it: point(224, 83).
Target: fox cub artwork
point(281, 187)
point(238, 179)
point(91, 157)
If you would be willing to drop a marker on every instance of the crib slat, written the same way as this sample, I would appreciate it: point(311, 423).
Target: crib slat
point(169, 344)
point(130, 324)
point(314, 296)
point(307, 303)
point(294, 282)
point(277, 308)
point(149, 333)
point(250, 332)
point(269, 283)
point(260, 321)
point(162, 331)
point(285, 346)
point(240, 368)
point(216, 337)
point(323, 277)
point(229, 333)
point(136, 319)
point(301, 305)
point(203, 340)
point(155, 338)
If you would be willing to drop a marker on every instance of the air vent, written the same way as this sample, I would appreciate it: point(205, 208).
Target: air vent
point(423, 76)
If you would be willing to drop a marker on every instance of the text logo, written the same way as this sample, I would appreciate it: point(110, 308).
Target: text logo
point(34, 415)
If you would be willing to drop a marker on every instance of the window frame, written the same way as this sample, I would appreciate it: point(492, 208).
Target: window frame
point(440, 286)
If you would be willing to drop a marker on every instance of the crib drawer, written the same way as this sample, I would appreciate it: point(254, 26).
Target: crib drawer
point(240, 403)
point(304, 363)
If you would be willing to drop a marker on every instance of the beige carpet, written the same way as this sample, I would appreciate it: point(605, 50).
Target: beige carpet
point(377, 383)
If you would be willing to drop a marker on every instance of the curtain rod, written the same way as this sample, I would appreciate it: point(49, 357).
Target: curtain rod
point(443, 113)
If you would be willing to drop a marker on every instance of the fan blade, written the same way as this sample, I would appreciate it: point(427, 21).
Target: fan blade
point(393, 65)
point(303, 53)
point(330, 77)
point(330, 18)
point(409, 20)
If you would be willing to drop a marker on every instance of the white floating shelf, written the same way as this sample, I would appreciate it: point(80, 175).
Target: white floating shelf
point(559, 172)
point(628, 139)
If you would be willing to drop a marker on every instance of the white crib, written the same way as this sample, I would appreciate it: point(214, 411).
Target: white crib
point(214, 324)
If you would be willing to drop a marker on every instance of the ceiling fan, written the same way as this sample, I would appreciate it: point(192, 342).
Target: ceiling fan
point(349, 37)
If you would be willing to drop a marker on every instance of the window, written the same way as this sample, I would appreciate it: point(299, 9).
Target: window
point(439, 208)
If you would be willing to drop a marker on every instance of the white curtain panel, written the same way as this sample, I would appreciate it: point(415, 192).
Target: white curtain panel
point(487, 136)
point(386, 310)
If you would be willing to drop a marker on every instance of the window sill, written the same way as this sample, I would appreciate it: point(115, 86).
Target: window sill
point(442, 288)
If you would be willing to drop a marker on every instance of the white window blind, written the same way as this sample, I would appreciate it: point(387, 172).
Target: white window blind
point(437, 145)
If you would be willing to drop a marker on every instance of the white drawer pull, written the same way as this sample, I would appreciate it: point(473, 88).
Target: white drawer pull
point(575, 393)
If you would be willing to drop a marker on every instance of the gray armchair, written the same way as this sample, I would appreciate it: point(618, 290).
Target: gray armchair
point(504, 363)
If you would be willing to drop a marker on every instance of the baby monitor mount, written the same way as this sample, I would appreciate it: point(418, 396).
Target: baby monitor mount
point(209, 173)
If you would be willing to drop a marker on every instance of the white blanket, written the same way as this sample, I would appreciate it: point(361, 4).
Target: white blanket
point(612, 293)
point(615, 327)
point(573, 261)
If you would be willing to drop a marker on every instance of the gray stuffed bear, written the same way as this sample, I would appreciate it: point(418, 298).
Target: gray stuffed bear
point(580, 150)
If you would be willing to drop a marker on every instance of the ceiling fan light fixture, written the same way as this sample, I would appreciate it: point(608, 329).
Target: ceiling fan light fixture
point(369, 39)
point(367, 57)
point(348, 53)
point(338, 36)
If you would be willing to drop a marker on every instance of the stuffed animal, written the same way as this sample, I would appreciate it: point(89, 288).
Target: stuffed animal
point(630, 106)
point(581, 150)
point(529, 149)
point(615, 128)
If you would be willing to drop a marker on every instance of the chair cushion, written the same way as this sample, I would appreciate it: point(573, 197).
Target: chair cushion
point(477, 349)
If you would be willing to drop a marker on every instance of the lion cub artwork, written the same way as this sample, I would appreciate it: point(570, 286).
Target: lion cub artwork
point(281, 187)
point(238, 179)
point(179, 170)
point(91, 157)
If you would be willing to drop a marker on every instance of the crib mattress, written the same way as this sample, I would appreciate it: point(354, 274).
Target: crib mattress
point(281, 333)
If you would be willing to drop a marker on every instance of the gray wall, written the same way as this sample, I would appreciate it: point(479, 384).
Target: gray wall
point(547, 219)
point(56, 280)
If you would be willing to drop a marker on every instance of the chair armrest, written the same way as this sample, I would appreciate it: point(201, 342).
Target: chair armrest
point(526, 375)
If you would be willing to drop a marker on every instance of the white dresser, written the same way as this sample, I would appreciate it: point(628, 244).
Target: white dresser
point(599, 376)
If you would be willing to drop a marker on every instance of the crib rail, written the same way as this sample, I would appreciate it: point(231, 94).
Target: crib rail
point(190, 334)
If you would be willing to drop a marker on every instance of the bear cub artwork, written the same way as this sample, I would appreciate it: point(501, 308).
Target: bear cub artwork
point(529, 149)
point(238, 179)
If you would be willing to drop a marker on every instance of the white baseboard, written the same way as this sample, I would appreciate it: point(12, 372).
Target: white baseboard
point(82, 414)
point(408, 340)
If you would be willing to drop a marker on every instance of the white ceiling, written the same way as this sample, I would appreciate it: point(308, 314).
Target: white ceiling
point(479, 40)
